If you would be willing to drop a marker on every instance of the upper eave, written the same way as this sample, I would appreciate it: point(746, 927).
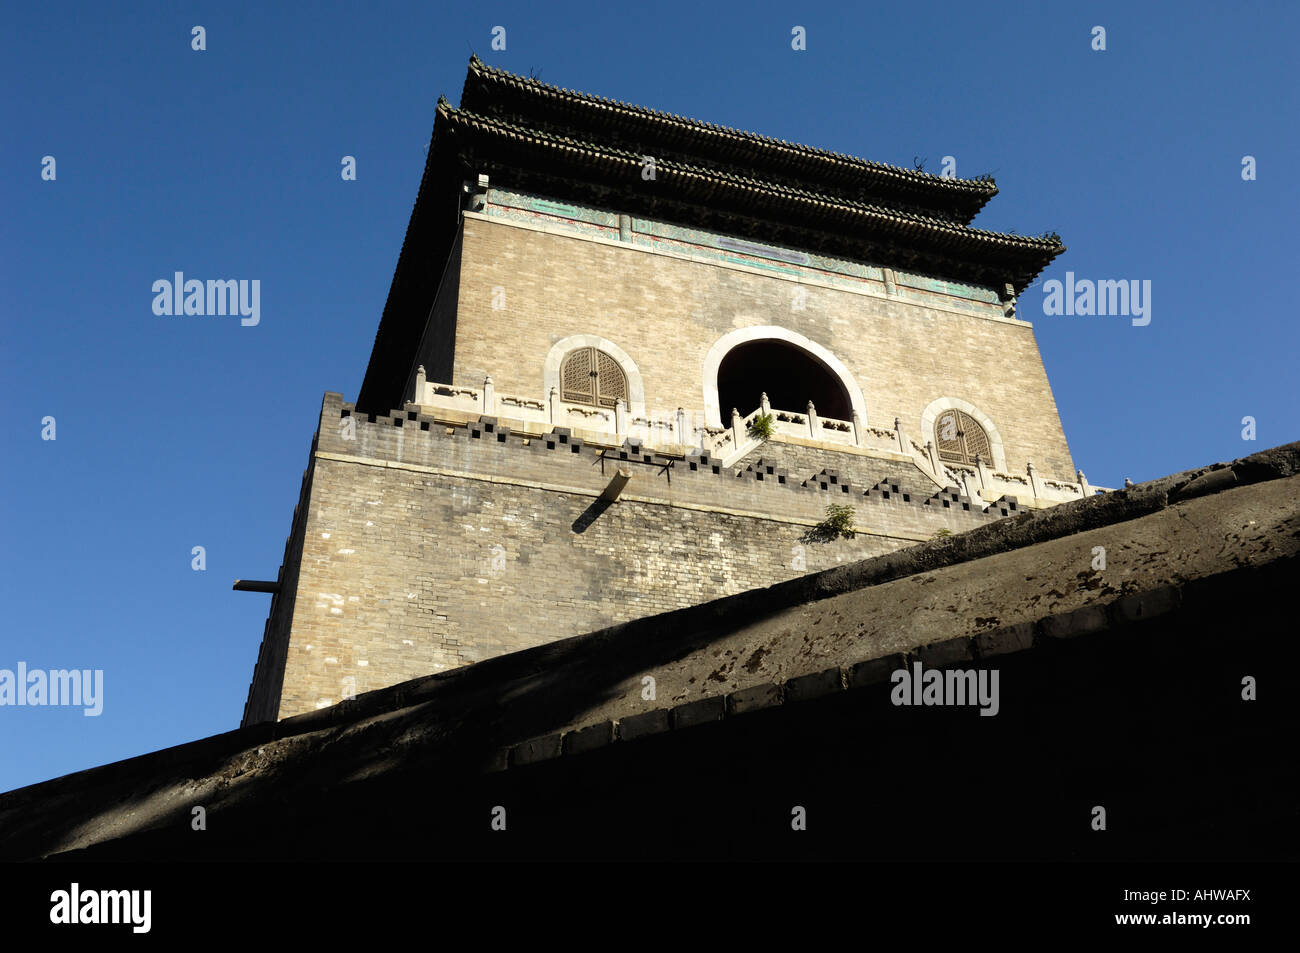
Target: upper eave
point(861, 230)
point(495, 93)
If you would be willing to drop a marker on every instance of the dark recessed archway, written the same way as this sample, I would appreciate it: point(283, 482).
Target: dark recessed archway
point(790, 376)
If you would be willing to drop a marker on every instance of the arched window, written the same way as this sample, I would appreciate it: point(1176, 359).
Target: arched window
point(788, 374)
point(590, 376)
point(960, 439)
point(743, 381)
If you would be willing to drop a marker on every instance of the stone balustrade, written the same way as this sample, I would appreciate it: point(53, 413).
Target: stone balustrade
point(682, 431)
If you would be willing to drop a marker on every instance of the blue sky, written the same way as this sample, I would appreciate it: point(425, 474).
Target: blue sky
point(174, 433)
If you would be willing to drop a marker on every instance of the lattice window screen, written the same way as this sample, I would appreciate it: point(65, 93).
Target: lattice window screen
point(578, 377)
point(960, 438)
point(946, 436)
point(611, 385)
point(977, 441)
point(590, 376)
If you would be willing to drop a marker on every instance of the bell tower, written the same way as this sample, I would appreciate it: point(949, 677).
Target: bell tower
point(627, 363)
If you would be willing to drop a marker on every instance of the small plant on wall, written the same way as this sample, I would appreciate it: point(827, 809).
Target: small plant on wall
point(942, 534)
point(838, 522)
point(762, 427)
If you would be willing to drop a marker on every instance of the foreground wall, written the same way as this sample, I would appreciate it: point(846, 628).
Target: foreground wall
point(1123, 688)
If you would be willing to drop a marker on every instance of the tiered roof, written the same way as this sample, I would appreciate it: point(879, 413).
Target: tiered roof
point(531, 136)
point(496, 94)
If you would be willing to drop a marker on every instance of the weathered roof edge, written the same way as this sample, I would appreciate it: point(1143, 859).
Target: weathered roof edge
point(1005, 535)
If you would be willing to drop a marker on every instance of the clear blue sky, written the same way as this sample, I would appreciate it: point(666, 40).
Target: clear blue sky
point(174, 433)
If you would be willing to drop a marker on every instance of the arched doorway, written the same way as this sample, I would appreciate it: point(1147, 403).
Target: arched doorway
point(787, 373)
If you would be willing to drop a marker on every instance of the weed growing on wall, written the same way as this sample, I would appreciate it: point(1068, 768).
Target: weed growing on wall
point(838, 522)
point(762, 427)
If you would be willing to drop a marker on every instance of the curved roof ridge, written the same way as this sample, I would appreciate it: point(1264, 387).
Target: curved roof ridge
point(985, 186)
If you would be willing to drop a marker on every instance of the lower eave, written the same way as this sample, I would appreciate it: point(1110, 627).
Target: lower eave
point(747, 207)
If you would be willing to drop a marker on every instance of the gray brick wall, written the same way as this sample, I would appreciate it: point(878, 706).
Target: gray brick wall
point(422, 546)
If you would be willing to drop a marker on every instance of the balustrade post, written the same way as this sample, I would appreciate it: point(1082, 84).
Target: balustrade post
point(419, 385)
point(1033, 479)
point(902, 438)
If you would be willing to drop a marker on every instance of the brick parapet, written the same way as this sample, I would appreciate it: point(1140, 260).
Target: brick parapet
point(557, 458)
